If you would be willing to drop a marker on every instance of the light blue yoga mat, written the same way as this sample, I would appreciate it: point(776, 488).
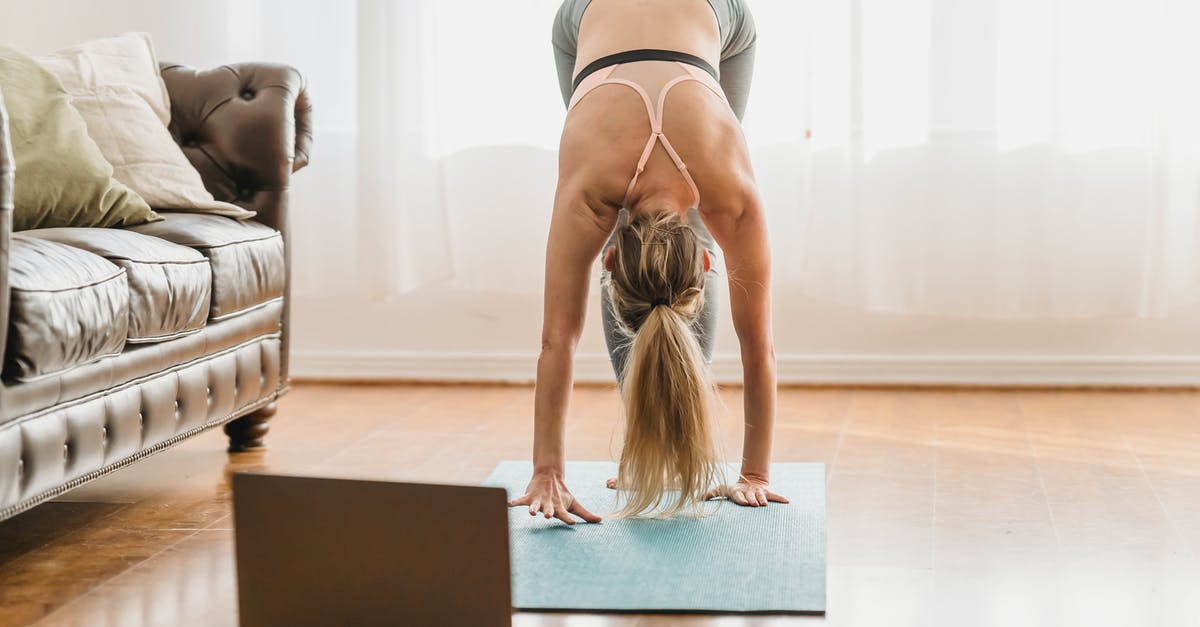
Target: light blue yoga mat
point(739, 559)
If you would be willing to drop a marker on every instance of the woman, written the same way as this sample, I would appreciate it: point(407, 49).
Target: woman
point(618, 60)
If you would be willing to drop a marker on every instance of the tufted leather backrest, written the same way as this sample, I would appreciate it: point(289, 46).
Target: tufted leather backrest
point(7, 167)
point(246, 127)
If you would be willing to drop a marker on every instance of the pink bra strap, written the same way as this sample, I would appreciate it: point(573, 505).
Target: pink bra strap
point(656, 115)
point(641, 165)
point(706, 79)
point(656, 134)
point(683, 169)
point(594, 80)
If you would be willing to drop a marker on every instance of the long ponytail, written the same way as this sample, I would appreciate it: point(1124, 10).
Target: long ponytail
point(669, 458)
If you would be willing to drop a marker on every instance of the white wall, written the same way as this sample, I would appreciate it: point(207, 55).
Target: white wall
point(193, 33)
point(476, 334)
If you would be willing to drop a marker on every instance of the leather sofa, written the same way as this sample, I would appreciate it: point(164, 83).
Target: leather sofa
point(122, 342)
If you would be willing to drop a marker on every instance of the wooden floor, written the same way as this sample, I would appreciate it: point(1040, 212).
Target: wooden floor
point(946, 507)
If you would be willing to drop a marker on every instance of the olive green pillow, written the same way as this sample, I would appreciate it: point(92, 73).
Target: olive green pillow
point(62, 178)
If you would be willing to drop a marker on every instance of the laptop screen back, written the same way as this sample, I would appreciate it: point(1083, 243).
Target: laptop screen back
point(327, 551)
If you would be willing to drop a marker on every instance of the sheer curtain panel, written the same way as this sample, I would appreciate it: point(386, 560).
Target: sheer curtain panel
point(982, 159)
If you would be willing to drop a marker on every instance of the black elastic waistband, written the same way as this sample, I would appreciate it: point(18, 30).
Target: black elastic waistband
point(642, 54)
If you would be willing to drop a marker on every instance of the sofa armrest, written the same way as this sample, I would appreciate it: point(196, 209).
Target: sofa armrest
point(7, 169)
point(246, 128)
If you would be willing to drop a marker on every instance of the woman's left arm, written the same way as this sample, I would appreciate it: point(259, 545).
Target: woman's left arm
point(741, 230)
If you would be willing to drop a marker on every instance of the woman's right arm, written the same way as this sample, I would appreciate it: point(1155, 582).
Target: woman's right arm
point(577, 235)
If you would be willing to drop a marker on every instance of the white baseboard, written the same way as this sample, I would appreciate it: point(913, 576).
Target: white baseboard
point(1002, 370)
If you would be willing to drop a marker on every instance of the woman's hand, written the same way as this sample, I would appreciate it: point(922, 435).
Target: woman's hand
point(548, 494)
point(747, 491)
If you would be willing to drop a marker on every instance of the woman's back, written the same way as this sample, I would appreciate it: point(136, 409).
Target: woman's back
point(606, 131)
point(610, 26)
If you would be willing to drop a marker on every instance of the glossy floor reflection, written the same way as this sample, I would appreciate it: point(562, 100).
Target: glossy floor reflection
point(946, 507)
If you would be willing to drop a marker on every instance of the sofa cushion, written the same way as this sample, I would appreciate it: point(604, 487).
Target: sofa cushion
point(116, 86)
point(64, 179)
point(169, 285)
point(246, 257)
point(68, 307)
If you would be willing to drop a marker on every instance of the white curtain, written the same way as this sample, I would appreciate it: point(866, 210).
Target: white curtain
point(990, 158)
point(436, 130)
point(974, 158)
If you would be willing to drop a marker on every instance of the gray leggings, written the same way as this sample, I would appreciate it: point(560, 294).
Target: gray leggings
point(735, 72)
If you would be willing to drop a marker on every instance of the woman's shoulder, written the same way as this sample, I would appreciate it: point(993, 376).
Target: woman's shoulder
point(585, 188)
point(719, 162)
point(595, 171)
point(727, 190)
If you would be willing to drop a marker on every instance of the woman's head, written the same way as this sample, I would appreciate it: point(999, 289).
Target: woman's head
point(656, 280)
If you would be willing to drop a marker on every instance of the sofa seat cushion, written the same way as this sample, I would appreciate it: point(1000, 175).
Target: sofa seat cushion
point(67, 307)
point(169, 285)
point(246, 257)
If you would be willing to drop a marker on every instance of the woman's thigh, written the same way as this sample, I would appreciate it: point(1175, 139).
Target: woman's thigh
point(564, 39)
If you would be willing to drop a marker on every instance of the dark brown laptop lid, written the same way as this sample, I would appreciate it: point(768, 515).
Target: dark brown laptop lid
point(332, 551)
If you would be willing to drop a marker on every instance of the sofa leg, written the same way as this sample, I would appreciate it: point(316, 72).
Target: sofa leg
point(247, 433)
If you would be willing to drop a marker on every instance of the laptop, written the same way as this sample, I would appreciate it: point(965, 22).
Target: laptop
point(328, 551)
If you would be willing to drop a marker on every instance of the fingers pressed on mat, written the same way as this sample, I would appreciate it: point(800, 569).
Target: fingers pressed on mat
point(582, 512)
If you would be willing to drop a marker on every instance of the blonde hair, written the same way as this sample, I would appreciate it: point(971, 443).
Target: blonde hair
point(657, 292)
